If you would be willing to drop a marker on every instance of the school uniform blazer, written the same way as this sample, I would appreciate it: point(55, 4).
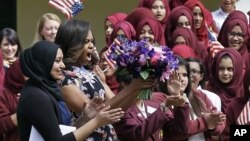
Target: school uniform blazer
point(134, 127)
point(199, 125)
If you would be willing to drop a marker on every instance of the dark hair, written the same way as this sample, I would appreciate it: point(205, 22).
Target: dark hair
point(182, 62)
point(198, 105)
point(202, 70)
point(12, 37)
point(71, 37)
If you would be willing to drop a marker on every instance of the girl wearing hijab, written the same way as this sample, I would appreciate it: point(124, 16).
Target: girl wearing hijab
point(227, 77)
point(186, 36)
point(38, 105)
point(238, 110)
point(13, 84)
point(176, 3)
point(151, 31)
point(183, 51)
point(122, 29)
point(159, 8)
point(234, 34)
point(139, 14)
point(180, 16)
point(109, 24)
point(203, 20)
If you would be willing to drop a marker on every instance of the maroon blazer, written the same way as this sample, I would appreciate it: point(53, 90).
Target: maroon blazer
point(8, 104)
point(134, 127)
point(199, 125)
point(233, 111)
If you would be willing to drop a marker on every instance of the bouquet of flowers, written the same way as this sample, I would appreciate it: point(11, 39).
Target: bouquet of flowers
point(140, 59)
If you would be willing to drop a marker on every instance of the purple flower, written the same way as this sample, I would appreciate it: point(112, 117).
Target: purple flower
point(139, 56)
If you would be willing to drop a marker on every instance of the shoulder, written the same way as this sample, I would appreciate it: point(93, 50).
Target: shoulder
point(202, 96)
point(32, 94)
point(70, 77)
point(210, 94)
point(218, 11)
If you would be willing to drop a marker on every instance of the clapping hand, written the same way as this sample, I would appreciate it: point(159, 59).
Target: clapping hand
point(214, 118)
point(91, 108)
point(107, 115)
point(175, 100)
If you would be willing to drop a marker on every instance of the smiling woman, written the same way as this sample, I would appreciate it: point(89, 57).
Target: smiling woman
point(10, 46)
point(234, 33)
point(226, 79)
point(47, 27)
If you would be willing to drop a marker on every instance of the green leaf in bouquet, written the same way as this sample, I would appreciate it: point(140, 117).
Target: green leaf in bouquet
point(145, 94)
point(144, 74)
point(150, 70)
point(122, 71)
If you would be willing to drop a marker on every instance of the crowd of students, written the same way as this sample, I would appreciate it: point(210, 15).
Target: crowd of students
point(62, 79)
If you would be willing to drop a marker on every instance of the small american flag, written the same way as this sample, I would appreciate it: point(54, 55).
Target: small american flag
point(211, 36)
point(244, 117)
point(69, 8)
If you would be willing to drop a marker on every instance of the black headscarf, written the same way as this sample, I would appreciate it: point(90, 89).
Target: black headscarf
point(36, 63)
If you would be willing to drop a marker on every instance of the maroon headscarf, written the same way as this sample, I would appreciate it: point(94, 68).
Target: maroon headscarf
point(2, 72)
point(14, 78)
point(173, 19)
point(126, 27)
point(246, 84)
point(139, 14)
point(234, 89)
point(115, 18)
point(155, 27)
point(183, 51)
point(233, 19)
point(248, 13)
point(191, 40)
point(149, 4)
point(201, 33)
point(176, 3)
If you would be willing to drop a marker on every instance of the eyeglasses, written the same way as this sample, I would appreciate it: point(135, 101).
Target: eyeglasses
point(195, 72)
point(238, 35)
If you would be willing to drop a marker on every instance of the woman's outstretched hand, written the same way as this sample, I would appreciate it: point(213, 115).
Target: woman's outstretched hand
point(139, 83)
point(107, 115)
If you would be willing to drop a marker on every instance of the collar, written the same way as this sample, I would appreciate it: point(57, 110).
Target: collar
point(220, 11)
